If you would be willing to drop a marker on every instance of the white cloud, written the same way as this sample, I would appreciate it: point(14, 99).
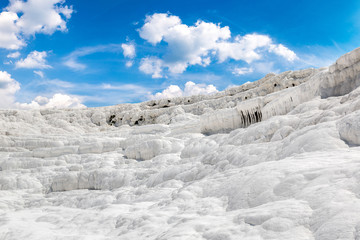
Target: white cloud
point(40, 16)
point(8, 88)
point(265, 67)
point(252, 47)
point(63, 101)
point(72, 61)
point(157, 26)
point(9, 32)
point(170, 92)
point(283, 51)
point(189, 90)
point(243, 48)
point(21, 19)
point(242, 71)
point(198, 89)
point(151, 65)
point(13, 55)
point(187, 45)
point(260, 67)
point(129, 63)
point(39, 73)
point(129, 50)
point(125, 87)
point(58, 100)
point(41, 100)
point(35, 60)
point(114, 93)
point(200, 44)
point(51, 84)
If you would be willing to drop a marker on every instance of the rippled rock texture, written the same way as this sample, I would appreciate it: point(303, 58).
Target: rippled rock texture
point(278, 158)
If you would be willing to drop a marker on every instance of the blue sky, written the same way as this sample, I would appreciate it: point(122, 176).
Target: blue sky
point(75, 53)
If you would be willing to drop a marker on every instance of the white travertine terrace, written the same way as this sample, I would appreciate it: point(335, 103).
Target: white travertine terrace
point(278, 158)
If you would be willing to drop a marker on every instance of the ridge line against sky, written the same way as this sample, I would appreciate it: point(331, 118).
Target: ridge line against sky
point(64, 53)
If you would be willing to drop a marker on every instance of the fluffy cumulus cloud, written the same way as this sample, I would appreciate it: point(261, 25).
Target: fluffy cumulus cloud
point(24, 18)
point(157, 26)
point(170, 92)
point(198, 89)
point(35, 60)
point(40, 16)
point(200, 44)
point(152, 65)
point(244, 48)
point(57, 101)
point(8, 88)
point(129, 52)
point(9, 31)
point(186, 45)
point(283, 51)
point(190, 89)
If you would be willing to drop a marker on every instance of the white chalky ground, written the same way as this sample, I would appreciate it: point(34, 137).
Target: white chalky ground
point(275, 159)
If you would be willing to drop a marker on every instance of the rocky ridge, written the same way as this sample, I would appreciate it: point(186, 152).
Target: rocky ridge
point(274, 159)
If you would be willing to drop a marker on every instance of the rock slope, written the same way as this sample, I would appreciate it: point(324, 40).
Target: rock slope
point(278, 158)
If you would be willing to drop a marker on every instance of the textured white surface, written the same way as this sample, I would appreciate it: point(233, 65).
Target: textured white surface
point(201, 167)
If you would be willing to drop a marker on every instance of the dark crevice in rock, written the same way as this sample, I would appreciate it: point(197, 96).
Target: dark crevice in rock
point(112, 120)
point(250, 117)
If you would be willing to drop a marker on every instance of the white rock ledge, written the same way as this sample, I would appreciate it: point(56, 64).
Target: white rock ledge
point(278, 158)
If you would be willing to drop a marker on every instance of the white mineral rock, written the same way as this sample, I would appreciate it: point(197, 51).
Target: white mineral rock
point(278, 158)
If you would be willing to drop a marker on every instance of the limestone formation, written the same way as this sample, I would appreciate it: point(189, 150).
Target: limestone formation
point(277, 158)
